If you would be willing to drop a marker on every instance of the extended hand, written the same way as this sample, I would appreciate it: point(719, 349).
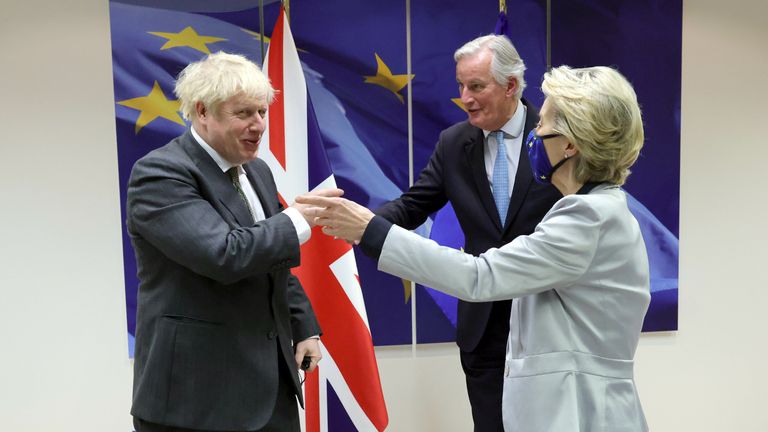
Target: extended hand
point(304, 209)
point(339, 217)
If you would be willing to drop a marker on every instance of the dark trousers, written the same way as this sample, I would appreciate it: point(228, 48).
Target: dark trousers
point(484, 371)
point(285, 415)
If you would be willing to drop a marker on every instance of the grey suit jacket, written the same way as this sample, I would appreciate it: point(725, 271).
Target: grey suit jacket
point(580, 285)
point(217, 305)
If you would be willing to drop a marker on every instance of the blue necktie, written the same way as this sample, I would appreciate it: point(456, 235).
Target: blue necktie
point(501, 177)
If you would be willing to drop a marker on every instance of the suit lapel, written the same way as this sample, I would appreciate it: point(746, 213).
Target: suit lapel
point(524, 175)
point(474, 149)
point(269, 206)
point(217, 180)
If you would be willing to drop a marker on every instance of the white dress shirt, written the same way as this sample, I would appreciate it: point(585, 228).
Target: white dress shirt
point(303, 231)
point(513, 139)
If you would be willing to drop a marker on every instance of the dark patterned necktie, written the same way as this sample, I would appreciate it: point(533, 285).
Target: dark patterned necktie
point(234, 175)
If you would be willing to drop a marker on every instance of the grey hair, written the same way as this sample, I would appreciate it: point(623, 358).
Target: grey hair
point(218, 77)
point(506, 62)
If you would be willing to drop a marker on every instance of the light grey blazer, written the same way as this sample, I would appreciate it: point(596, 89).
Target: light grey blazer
point(580, 285)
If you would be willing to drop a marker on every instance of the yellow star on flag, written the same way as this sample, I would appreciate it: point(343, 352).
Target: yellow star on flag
point(152, 106)
point(384, 78)
point(407, 289)
point(187, 38)
point(457, 101)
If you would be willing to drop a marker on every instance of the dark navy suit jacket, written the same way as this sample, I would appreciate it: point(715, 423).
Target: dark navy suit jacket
point(218, 307)
point(456, 174)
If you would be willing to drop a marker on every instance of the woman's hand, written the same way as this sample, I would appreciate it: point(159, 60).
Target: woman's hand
point(339, 217)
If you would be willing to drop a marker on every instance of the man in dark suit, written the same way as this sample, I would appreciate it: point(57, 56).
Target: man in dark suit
point(222, 325)
point(492, 191)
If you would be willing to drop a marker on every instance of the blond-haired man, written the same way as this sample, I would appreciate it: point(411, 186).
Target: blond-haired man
point(222, 325)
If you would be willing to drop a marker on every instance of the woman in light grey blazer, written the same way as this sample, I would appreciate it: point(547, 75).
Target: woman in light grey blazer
point(579, 283)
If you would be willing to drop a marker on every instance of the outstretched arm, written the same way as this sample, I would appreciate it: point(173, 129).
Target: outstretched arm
point(554, 256)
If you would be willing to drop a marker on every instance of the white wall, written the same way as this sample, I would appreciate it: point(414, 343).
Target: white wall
point(710, 375)
point(63, 365)
point(64, 362)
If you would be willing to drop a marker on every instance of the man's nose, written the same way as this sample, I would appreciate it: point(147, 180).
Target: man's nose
point(466, 97)
point(258, 124)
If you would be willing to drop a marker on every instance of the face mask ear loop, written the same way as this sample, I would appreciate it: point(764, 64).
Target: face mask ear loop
point(557, 165)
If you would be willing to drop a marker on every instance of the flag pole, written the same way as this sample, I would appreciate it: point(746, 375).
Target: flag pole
point(549, 35)
point(410, 154)
point(261, 30)
point(287, 7)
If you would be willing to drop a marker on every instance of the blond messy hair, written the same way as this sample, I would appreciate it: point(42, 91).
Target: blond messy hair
point(596, 109)
point(218, 77)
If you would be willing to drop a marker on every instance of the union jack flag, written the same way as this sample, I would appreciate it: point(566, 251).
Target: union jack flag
point(292, 147)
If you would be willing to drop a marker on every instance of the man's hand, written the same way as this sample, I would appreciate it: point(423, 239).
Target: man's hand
point(308, 348)
point(339, 217)
point(304, 208)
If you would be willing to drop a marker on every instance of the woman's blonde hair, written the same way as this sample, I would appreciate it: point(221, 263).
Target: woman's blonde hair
point(218, 77)
point(596, 109)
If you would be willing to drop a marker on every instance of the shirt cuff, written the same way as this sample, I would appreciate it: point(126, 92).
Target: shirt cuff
point(374, 235)
point(299, 223)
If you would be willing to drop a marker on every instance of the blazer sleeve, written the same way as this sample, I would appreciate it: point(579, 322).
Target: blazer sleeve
point(556, 255)
point(304, 324)
point(166, 208)
point(303, 321)
point(426, 196)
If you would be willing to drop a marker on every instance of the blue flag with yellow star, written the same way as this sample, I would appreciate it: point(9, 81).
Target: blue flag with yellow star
point(605, 38)
point(354, 56)
point(642, 39)
point(360, 109)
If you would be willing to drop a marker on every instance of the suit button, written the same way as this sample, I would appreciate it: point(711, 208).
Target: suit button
point(271, 335)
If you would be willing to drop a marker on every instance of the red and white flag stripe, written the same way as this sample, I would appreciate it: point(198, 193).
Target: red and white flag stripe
point(328, 272)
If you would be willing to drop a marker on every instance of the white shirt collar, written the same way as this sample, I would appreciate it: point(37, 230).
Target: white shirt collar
point(220, 161)
point(514, 126)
